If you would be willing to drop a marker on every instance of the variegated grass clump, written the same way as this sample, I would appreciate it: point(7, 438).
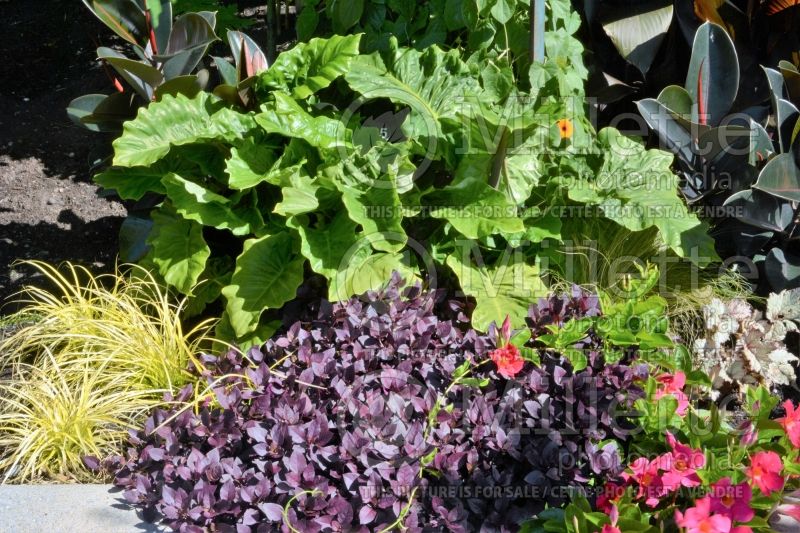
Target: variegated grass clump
point(103, 353)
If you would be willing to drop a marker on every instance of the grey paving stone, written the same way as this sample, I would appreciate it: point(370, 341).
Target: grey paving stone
point(68, 509)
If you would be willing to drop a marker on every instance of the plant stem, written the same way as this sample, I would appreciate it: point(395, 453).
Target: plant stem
point(537, 30)
point(272, 28)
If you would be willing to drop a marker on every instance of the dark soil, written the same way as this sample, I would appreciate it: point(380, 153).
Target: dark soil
point(49, 208)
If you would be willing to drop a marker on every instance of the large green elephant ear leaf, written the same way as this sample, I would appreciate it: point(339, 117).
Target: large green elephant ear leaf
point(176, 121)
point(267, 275)
point(177, 249)
point(283, 115)
point(311, 67)
point(637, 189)
point(506, 288)
point(435, 85)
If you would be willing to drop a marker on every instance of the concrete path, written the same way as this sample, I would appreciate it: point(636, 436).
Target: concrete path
point(67, 509)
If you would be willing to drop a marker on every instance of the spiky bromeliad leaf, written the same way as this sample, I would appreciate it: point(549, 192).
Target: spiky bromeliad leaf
point(175, 121)
point(310, 67)
point(178, 249)
point(505, 288)
point(267, 275)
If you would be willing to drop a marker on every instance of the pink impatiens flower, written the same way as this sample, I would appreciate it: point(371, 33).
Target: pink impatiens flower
point(791, 423)
point(681, 465)
point(672, 385)
point(699, 519)
point(765, 472)
point(732, 501)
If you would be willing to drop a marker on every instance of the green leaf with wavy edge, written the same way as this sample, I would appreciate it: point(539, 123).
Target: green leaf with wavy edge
point(364, 270)
point(436, 85)
point(267, 275)
point(249, 164)
point(300, 197)
point(176, 121)
point(371, 199)
point(286, 117)
point(506, 288)
point(326, 247)
point(310, 67)
point(636, 188)
point(132, 183)
point(475, 209)
point(177, 249)
point(195, 202)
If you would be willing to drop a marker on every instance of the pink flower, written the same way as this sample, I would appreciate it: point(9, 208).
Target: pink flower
point(681, 465)
point(791, 423)
point(749, 435)
point(741, 529)
point(764, 472)
point(613, 516)
point(508, 360)
point(732, 501)
point(672, 385)
point(699, 519)
point(646, 475)
point(610, 494)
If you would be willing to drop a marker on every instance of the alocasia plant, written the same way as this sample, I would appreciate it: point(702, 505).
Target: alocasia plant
point(459, 191)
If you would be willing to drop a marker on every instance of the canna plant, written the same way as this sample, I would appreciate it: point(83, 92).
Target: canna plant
point(730, 162)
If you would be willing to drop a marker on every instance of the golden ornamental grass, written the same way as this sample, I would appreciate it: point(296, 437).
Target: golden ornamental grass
point(103, 353)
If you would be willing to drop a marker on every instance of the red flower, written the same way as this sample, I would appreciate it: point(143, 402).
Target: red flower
point(610, 495)
point(508, 360)
point(765, 472)
point(791, 423)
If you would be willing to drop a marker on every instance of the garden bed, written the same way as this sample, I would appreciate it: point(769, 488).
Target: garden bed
point(386, 266)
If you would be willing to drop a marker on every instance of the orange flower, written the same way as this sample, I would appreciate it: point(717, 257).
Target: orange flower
point(565, 128)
